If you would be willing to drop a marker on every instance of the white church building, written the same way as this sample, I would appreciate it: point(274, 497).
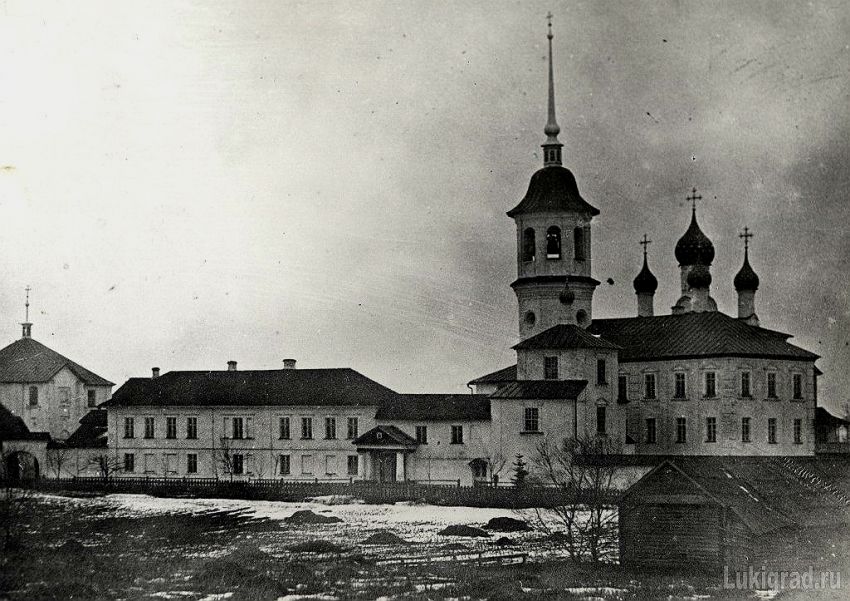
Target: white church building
point(693, 382)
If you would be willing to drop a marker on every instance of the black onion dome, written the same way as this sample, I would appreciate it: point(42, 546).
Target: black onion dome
point(699, 276)
point(553, 189)
point(694, 247)
point(746, 278)
point(645, 282)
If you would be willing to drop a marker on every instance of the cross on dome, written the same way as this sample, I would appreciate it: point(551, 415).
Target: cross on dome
point(693, 197)
point(746, 235)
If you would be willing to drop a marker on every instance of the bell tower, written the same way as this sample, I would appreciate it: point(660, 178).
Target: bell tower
point(553, 284)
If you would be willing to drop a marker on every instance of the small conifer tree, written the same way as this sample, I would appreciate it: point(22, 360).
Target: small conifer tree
point(520, 472)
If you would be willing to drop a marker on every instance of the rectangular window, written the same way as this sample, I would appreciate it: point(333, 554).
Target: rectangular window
point(92, 398)
point(149, 427)
point(622, 388)
point(649, 386)
point(600, 420)
point(798, 386)
point(710, 384)
point(352, 429)
point(129, 427)
point(798, 431)
point(191, 428)
point(711, 429)
point(422, 434)
point(129, 462)
point(550, 368)
point(306, 464)
point(191, 463)
point(171, 427)
point(457, 434)
point(171, 463)
point(150, 463)
point(307, 429)
point(650, 430)
point(679, 385)
point(771, 430)
point(745, 384)
point(745, 429)
point(238, 428)
point(283, 428)
point(330, 464)
point(237, 464)
point(531, 419)
point(771, 385)
point(285, 465)
point(681, 429)
point(33, 396)
point(353, 465)
point(330, 428)
point(601, 376)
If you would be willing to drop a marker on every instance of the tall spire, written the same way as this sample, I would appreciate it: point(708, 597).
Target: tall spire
point(27, 326)
point(552, 147)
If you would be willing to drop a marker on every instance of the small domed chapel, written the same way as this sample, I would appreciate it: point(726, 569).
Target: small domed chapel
point(695, 381)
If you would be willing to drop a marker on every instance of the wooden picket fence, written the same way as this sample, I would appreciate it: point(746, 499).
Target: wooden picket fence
point(445, 493)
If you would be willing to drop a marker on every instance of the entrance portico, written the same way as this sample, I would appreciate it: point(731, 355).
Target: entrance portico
point(387, 448)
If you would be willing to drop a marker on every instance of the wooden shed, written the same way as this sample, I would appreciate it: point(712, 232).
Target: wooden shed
point(709, 512)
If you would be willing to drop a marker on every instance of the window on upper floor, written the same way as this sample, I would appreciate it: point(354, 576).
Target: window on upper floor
point(531, 419)
point(622, 388)
point(330, 428)
point(92, 398)
point(457, 434)
point(149, 427)
point(579, 244)
point(306, 428)
point(238, 428)
point(745, 384)
point(171, 427)
point(283, 428)
point(601, 375)
point(129, 427)
point(679, 388)
point(550, 368)
point(528, 244)
point(191, 428)
point(33, 396)
point(352, 430)
point(797, 382)
point(710, 389)
point(649, 386)
point(422, 434)
point(553, 242)
point(771, 385)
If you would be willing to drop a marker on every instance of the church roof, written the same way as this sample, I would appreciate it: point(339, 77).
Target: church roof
point(328, 387)
point(12, 427)
point(553, 189)
point(27, 360)
point(436, 407)
point(540, 389)
point(691, 335)
point(565, 336)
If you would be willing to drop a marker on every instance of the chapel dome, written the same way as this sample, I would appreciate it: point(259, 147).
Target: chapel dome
point(694, 247)
point(645, 282)
point(699, 276)
point(746, 278)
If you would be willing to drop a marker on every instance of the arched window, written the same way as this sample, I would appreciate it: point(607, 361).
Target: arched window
point(553, 242)
point(578, 244)
point(528, 245)
point(33, 396)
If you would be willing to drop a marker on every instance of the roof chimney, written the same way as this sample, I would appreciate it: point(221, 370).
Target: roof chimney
point(289, 364)
point(231, 366)
point(154, 373)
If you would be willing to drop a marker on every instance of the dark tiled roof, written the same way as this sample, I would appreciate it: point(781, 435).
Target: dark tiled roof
point(91, 432)
point(825, 419)
point(328, 387)
point(689, 335)
point(565, 336)
point(553, 189)
point(27, 360)
point(436, 407)
point(506, 374)
point(13, 427)
point(540, 389)
point(380, 436)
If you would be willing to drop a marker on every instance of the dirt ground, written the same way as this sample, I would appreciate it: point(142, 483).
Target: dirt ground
point(139, 547)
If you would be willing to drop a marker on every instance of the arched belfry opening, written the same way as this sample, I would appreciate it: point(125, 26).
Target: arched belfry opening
point(528, 244)
point(553, 242)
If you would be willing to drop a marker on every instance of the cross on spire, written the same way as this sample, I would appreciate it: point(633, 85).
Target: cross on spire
point(746, 236)
point(645, 242)
point(549, 20)
point(693, 197)
point(552, 147)
point(27, 304)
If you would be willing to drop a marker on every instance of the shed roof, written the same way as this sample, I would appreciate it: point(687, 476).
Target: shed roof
point(27, 360)
point(506, 374)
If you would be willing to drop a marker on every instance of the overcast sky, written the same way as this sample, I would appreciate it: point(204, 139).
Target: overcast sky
point(184, 183)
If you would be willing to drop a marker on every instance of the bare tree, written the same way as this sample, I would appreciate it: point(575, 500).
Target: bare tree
point(223, 457)
point(495, 462)
point(585, 469)
point(57, 458)
point(105, 465)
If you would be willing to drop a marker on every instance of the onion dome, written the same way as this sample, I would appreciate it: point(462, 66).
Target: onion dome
point(645, 282)
point(746, 278)
point(699, 276)
point(694, 248)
